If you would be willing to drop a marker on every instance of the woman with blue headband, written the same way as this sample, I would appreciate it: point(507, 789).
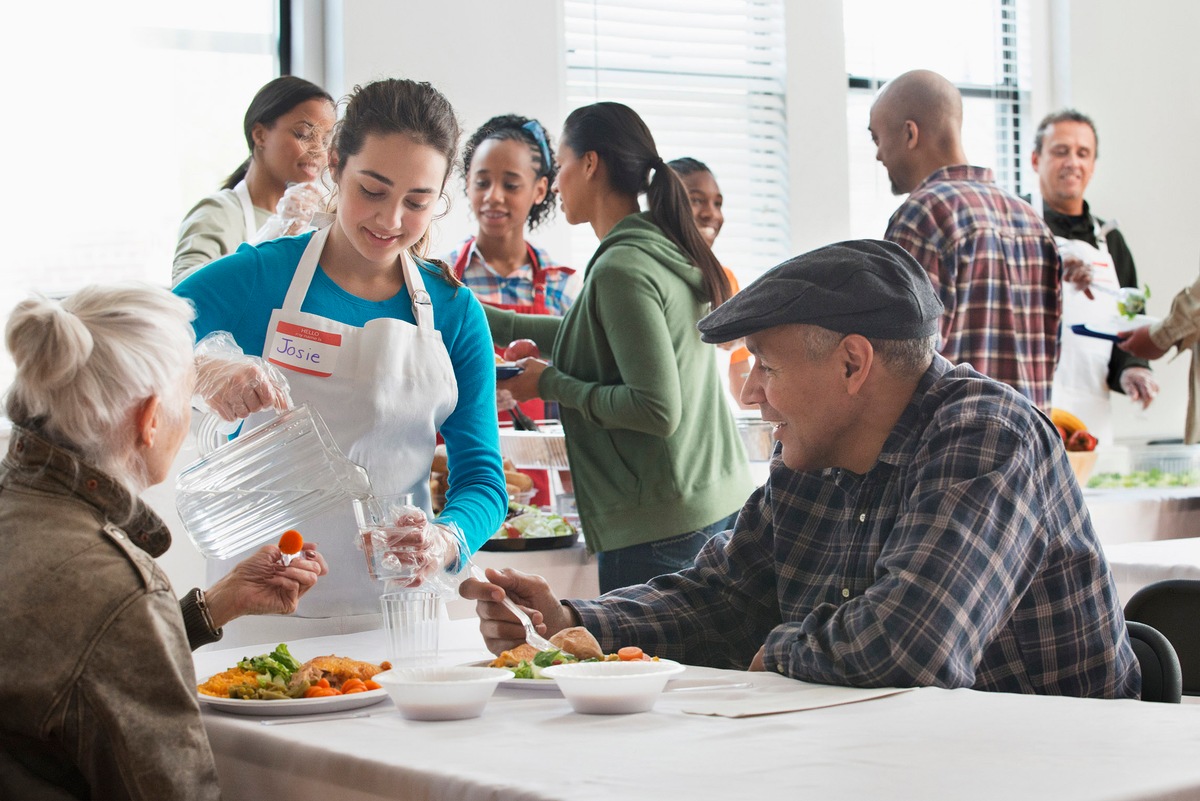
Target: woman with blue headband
point(508, 166)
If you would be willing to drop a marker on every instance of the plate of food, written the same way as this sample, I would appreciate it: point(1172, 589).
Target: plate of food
point(276, 684)
point(575, 644)
point(529, 528)
point(1112, 330)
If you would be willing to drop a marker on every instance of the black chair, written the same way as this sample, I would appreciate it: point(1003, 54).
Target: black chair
point(1173, 607)
point(1161, 679)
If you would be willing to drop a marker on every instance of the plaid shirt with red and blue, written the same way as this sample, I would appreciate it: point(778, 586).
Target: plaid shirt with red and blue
point(994, 263)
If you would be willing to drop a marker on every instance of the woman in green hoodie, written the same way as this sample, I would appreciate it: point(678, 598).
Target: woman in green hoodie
point(656, 461)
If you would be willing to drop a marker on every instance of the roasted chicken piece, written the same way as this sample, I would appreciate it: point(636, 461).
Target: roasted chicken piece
point(337, 669)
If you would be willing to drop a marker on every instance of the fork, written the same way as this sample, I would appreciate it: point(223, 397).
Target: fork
point(531, 636)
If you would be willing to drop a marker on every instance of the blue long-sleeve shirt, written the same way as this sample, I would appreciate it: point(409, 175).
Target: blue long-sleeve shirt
point(237, 294)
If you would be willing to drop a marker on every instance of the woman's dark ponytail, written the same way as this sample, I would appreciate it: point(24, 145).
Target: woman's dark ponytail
point(624, 143)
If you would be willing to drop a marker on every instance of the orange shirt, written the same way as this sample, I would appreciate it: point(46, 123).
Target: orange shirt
point(738, 354)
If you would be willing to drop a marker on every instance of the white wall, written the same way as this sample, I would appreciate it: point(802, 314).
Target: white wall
point(1134, 70)
point(488, 57)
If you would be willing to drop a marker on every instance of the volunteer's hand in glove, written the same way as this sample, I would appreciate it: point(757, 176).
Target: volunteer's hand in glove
point(421, 553)
point(505, 400)
point(1139, 385)
point(236, 388)
point(1139, 343)
point(1078, 272)
point(293, 213)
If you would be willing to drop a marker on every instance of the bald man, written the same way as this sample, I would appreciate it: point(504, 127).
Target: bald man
point(991, 258)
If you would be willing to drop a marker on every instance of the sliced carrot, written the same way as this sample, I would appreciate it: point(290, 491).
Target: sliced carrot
point(291, 542)
point(372, 685)
point(354, 690)
point(353, 684)
point(323, 682)
point(630, 653)
point(320, 692)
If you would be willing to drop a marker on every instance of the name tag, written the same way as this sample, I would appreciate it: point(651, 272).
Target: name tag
point(305, 350)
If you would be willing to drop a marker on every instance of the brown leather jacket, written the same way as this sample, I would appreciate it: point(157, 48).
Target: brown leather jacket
point(99, 692)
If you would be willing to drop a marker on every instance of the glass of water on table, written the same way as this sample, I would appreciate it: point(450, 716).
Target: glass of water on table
point(410, 614)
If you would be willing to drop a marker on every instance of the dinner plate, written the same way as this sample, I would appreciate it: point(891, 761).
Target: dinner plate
point(530, 543)
point(535, 685)
point(504, 371)
point(294, 706)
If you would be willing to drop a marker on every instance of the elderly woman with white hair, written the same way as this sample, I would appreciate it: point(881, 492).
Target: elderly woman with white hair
point(100, 696)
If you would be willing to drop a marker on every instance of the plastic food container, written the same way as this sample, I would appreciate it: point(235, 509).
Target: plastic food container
point(545, 449)
point(1173, 459)
point(757, 437)
point(442, 693)
point(613, 688)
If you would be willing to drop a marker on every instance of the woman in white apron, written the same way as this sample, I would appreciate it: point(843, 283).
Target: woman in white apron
point(388, 348)
point(286, 127)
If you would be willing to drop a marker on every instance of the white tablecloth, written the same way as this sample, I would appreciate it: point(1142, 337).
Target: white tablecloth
point(929, 745)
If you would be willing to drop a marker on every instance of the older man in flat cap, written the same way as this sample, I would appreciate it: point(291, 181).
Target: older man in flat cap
point(920, 526)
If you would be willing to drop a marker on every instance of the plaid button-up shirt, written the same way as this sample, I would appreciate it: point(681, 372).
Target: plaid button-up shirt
point(516, 289)
point(996, 268)
point(963, 558)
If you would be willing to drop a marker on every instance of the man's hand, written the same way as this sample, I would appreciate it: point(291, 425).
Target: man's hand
point(1139, 343)
point(758, 662)
point(261, 585)
point(1139, 385)
point(501, 631)
point(1079, 273)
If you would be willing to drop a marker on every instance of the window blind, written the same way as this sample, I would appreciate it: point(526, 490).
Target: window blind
point(708, 78)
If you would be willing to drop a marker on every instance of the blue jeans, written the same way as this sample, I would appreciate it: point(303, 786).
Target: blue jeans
point(637, 564)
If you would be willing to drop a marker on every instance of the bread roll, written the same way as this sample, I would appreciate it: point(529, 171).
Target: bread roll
point(578, 642)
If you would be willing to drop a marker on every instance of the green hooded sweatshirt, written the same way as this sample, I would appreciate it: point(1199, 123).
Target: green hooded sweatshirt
point(653, 448)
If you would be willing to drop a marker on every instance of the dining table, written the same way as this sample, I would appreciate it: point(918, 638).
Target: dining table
point(704, 739)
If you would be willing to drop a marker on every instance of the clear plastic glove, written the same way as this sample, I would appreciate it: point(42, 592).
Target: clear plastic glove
point(420, 553)
point(231, 384)
point(505, 400)
point(1139, 385)
point(293, 213)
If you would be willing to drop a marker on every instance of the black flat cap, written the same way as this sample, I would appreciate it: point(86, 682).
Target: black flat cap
point(863, 286)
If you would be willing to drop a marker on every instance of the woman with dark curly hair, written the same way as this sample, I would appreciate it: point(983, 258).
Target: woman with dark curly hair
point(508, 166)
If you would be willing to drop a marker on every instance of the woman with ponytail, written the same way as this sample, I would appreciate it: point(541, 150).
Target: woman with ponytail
point(287, 128)
point(100, 405)
point(656, 461)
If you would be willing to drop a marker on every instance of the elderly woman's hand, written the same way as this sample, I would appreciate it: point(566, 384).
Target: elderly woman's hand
point(261, 585)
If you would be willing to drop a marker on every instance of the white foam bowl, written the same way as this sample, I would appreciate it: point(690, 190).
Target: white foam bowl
point(441, 693)
point(612, 688)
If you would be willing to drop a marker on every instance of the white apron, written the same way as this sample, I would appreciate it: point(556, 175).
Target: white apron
point(383, 390)
point(243, 195)
point(1081, 378)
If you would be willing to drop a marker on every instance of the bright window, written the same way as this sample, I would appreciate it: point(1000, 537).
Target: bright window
point(129, 114)
point(981, 46)
point(708, 77)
